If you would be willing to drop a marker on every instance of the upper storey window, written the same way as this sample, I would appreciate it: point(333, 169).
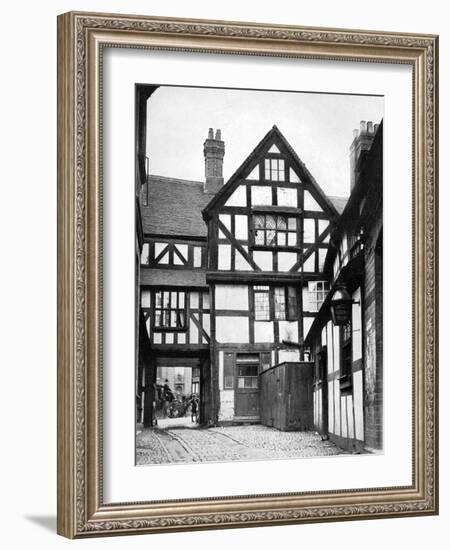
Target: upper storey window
point(274, 231)
point(170, 310)
point(274, 169)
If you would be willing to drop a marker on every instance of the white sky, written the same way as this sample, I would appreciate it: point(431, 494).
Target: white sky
point(318, 126)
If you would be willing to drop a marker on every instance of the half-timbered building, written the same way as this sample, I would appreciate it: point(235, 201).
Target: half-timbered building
point(230, 275)
point(346, 336)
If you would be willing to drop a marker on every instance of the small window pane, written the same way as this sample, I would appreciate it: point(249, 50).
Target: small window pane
point(158, 318)
point(281, 222)
point(281, 239)
point(292, 223)
point(270, 238)
point(166, 299)
point(145, 298)
point(280, 303)
point(292, 239)
point(259, 237)
point(206, 300)
point(259, 222)
point(262, 306)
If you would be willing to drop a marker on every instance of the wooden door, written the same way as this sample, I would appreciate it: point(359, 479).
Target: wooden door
point(247, 385)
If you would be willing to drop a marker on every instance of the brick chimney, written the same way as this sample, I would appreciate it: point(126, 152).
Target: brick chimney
point(362, 142)
point(214, 151)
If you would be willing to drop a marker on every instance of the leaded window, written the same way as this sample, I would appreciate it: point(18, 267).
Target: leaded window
point(283, 300)
point(262, 303)
point(280, 303)
point(273, 230)
point(317, 292)
point(170, 310)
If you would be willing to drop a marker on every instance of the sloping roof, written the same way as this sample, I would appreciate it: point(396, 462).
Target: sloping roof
point(175, 207)
point(339, 203)
point(173, 277)
point(305, 175)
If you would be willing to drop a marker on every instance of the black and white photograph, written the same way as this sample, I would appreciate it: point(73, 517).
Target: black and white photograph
point(259, 254)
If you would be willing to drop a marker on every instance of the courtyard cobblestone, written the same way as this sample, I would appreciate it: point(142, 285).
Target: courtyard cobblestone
point(225, 444)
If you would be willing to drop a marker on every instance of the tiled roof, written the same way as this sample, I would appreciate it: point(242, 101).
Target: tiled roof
point(175, 207)
point(339, 203)
point(173, 277)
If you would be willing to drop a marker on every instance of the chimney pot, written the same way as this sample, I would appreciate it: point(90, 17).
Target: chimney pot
point(370, 127)
point(362, 127)
point(214, 151)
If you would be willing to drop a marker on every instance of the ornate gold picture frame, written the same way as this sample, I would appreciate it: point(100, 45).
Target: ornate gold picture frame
point(82, 41)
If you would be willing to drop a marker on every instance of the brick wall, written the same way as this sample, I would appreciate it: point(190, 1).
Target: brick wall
point(373, 342)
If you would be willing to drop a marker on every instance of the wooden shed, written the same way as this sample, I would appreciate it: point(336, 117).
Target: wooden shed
point(286, 398)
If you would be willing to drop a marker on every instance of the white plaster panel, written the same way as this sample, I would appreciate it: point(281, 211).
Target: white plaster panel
point(320, 406)
point(358, 405)
point(264, 331)
point(330, 407)
point(225, 257)
point(238, 197)
point(336, 347)
point(322, 255)
point(226, 220)
point(193, 332)
point(206, 323)
point(356, 326)
point(330, 361)
point(337, 408)
point(310, 203)
point(289, 355)
point(288, 330)
point(310, 265)
point(261, 195)
point(286, 260)
point(293, 176)
point(240, 263)
point(307, 322)
point(254, 174)
point(241, 227)
point(264, 259)
point(344, 416)
point(324, 336)
point(350, 423)
point(309, 230)
point(226, 409)
point(287, 196)
point(232, 330)
point(232, 297)
point(316, 416)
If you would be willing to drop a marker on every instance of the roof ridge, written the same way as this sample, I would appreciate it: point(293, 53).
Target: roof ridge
point(175, 180)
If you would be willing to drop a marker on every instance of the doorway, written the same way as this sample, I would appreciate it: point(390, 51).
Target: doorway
point(247, 385)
